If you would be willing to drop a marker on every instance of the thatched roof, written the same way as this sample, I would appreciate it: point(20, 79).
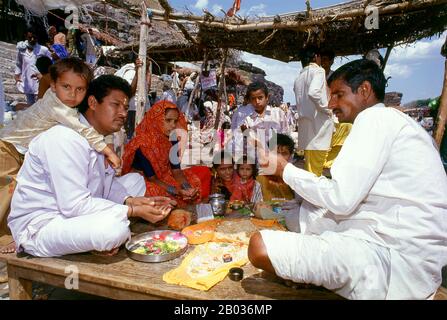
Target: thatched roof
point(339, 27)
point(168, 41)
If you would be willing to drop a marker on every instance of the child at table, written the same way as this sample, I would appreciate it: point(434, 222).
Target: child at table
point(245, 186)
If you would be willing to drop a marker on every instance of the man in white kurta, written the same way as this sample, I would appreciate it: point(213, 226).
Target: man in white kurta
point(315, 123)
point(67, 200)
point(378, 228)
point(26, 71)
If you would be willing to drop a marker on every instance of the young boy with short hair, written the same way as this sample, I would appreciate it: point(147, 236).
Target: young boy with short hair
point(69, 81)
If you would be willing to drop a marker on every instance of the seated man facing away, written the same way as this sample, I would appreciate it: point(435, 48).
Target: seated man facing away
point(66, 200)
point(383, 234)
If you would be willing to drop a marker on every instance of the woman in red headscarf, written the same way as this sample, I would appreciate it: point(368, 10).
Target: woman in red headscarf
point(154, 152)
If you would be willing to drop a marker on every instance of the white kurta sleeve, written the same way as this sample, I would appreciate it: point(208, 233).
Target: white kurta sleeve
point(356, 168)
point(131, 184)
point(47, 52)
point(317, 91)
point(19, 62)
point(66, 160)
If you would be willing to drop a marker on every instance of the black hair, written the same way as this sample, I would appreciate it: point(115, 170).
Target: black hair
point(43, 64)
point(255, 86)
point(356, 72)
point(101, 87)
point(328, 53)
point(31, 30)
point(283, 140)
point(307, 55)
point(226, 125)
point(222, 157)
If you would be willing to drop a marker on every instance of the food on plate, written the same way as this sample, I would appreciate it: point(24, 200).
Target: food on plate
point(227, 230)
point(235, 231)
point(201, 232)
point(160, 244)
point(207, 265)
point(179, 219)
point(209, 257)
point(236, 204)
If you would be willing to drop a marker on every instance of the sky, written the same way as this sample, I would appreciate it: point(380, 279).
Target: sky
point(416, 70)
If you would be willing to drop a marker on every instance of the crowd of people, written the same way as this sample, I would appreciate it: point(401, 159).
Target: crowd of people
point(366, 230)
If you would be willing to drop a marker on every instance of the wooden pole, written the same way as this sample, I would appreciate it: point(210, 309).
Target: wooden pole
point(442, 113)
point(387, 55)
point(318, 17)
point(193, 93)
point(196, 84)
point(221, 89)
point(141, 94)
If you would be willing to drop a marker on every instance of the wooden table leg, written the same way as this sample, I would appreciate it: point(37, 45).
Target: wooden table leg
point(19, 288)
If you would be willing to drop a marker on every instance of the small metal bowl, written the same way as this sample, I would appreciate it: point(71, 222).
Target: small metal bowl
point(236, 205)
point(236, 274)
point(132, 244)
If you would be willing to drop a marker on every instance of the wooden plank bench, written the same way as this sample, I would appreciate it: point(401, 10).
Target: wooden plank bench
point(119, 277)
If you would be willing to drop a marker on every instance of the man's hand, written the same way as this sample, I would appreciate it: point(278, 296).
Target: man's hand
point(152, 209)
point(18, 78)
point(138, 63)
point(151, 213)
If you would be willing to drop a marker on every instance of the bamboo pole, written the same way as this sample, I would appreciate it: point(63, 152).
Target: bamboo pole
point(141, 94)
point(196, 84)
point(193, 93)
point(318, 17)
point(387, 55)
point(442, 113)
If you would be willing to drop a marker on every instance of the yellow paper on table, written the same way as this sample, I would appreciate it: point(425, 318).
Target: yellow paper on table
point(207, 265)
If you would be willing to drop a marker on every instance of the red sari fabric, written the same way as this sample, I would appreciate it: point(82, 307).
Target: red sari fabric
point(242, 190)
point(155, 146)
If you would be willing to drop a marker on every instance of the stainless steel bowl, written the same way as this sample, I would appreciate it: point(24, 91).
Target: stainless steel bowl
point(132, 244)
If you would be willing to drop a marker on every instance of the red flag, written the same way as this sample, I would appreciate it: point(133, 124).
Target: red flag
point(235, 8)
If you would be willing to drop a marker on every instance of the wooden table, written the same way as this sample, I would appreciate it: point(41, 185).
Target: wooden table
point(119, 277)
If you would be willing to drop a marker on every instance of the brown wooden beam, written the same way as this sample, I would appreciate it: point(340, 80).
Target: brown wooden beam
point(442, 113)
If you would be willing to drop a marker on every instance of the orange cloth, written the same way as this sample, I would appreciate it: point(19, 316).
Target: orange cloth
point(204, 174)
point(242, 190)
point(155, 146)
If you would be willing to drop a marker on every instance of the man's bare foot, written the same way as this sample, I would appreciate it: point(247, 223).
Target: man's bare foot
point(9, 248)
point(106, 253)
